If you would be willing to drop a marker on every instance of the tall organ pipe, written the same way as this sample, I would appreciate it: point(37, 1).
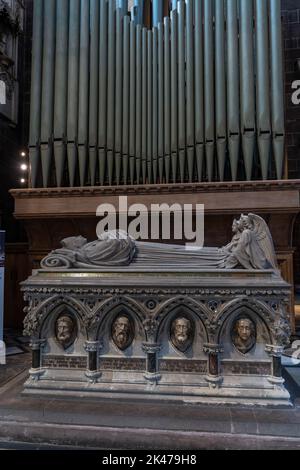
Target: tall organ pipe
point(233, 102)
point(36, 90)
point(155, 103)
point(157, 12)
point(94, 88)
point(138, 144)
point(209, 88)
point(181, 90)
point(277, 90)
point(190, 97)
point(145, 103)
point(132, 102)
point(111, 90)
point(149, 109)
point(263, 86)
point(247, 84)
point(73, 90)
point(161, 102)
point(199, 97)
point(126, 87)
point(60, 88)
point(221, 130)
point(167, 97)
point(123, 6)
point(174, 93)
point(48, 89)
point(83, 111)
point(118, 92)
point(102, 121)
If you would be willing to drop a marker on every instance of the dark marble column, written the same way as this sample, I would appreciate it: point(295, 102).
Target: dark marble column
point(152, 372)
point(213, 351)
point(275, 352)
point(92, 372)
point(36, 348)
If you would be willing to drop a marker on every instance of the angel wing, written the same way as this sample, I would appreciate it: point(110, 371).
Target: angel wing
point(264, 239)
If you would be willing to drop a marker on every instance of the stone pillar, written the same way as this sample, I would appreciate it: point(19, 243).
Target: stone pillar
point(214, 377)
point(152, 372)
point(92, 372)
point(275, 352)
point(36, 347)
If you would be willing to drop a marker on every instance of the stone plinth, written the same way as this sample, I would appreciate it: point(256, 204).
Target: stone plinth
point(180, 334)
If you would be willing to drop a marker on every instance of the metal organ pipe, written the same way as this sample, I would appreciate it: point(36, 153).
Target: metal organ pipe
point(220, 80)
point(83, 105)
point(151, 105)
point(233, 85)
point(263, 86)
point(61, 88)
point(36, 90)
point(199, 87)
point(94, 87)
point(209, 95)
point(73, 88)
point(47, 104)
point(102, 121)
point(277, 91)
point(247, 84)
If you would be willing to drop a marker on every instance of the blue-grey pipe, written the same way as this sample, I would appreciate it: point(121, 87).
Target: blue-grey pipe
point(137, 12)
point(157, 12)
point(83, 110)
point(47, 112)
point(277, 89)
point(94, 88)
point(36, 89)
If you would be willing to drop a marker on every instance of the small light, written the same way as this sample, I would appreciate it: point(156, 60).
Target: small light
point(24, 167)
point(22, 180)
point(23, 154)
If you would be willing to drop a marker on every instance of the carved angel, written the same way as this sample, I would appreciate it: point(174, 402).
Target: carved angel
point(253, 245)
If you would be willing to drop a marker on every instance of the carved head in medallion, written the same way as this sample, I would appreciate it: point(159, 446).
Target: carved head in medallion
point(65, 330)
point(182, 333)
point(244, 334)
point(122, 332)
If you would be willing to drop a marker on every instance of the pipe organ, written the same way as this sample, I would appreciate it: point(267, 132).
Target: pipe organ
point(197, 95)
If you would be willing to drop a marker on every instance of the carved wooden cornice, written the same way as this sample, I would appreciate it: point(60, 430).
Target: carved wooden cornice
point(242, 186)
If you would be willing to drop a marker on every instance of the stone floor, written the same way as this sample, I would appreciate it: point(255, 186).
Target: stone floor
point(45, 423)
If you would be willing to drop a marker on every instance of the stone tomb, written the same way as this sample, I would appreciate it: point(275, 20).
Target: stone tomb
point(165, 330)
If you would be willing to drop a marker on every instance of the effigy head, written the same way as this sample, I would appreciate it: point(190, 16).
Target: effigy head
point(74, 243)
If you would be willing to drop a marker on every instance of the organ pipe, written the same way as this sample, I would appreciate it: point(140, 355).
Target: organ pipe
point(61, 88)
point(83, 105)
point(233, 84)
point(133, 104)
point(36, 90)
point(94, 88)
point(247, 84)
point(263, 86)
point(47, 104)
point(73, 88)
point(277, 91)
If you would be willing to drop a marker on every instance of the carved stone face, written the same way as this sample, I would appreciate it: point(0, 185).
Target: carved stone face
point(182, 333)
point(122, 332)
point(244, 335)
point(74, 243)
point(65, 330)
point(235, 226)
